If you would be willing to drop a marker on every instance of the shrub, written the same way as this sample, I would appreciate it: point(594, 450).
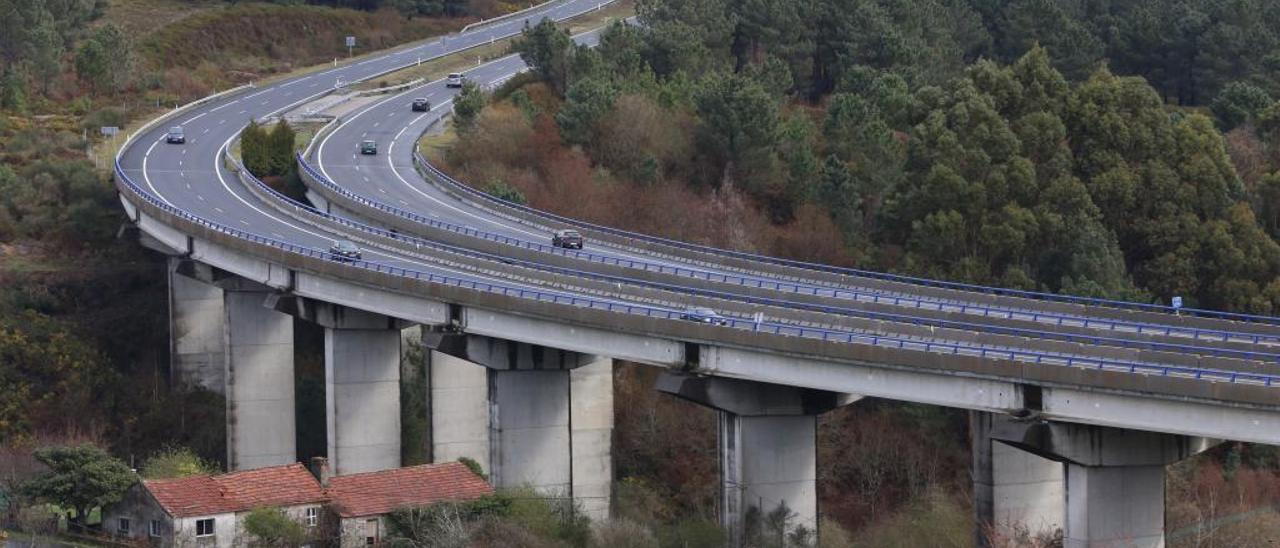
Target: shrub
point(272, 527)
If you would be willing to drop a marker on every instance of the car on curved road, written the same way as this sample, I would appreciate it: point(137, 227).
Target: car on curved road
point(455, 80)
point(368, 147)
point(568, 239)
point(702, 314)
point(175, 136)
point(344, 251)
point(421, 104)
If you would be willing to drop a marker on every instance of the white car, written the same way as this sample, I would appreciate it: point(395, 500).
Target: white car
point(455, 80)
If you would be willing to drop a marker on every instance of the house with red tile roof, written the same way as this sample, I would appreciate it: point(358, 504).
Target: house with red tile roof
point(362, 501)
point(210, 510)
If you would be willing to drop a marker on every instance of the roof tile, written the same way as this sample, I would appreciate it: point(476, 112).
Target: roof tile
point(286, 485)
point(380, 492)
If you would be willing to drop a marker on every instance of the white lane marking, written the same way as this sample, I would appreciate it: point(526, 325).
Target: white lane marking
point(180, 162)
point(206, 130)
point(146, 176)
point(222, 121)
point(223, 180)
point(220, 107)
point(218, 209)
point(242, 112)
point(200, 197)
point(184, 151)
point(194, 118)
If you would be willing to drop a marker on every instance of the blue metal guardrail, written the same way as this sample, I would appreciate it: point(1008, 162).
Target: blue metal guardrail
point(1037, 295)
point(778, 329)
point(793, 287)
point(420, 243)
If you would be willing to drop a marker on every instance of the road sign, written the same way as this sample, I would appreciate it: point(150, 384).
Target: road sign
point(1177, 302)
point(109, 131)
point(351, 41)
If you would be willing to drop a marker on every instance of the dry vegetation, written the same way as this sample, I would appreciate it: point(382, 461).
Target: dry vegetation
point(509, 146)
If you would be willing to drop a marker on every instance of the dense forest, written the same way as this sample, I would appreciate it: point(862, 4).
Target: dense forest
point(1072, 147)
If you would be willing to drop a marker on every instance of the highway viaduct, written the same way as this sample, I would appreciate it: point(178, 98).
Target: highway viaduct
point(1076, 405)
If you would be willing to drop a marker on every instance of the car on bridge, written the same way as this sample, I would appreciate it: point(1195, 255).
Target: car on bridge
point(368, 147)
point(455, 80)
point(421, 104)
point(702, 314)
point(344, 251)
point(175, 136)
point(568, 239)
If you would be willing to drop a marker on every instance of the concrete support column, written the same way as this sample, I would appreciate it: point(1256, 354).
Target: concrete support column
point(591, 436)
point(1015, 492)
point(1115, 506)
point(531, 416)
point(459, 407)
point(196, 318)
point(767, 463)
point(261, 429)
point(362, 397)
point(1114, 477)
point(767, 445)
point(529, 431)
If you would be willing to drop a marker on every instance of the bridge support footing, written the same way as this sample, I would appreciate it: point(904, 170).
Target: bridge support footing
point(768, 450)
point(1114, 479)
point(531, 417)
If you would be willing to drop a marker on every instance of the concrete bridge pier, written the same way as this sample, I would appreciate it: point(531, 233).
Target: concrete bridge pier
point(1015, 492)
point(767, 444)
point(362, 386)
point(532, 416)
point(1114, 477)
point(261, 429)
point(196, 316)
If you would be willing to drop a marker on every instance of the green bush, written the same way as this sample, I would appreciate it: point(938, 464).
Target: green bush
point(272, 527)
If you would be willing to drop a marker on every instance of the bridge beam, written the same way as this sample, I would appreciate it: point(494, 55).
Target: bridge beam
point(1114, 477)
point(531, 416)
point(258, 352)
point(767, 444)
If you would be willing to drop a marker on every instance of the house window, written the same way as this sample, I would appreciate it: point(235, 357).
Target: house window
point(313, 516)
point(204, 527)
point(155, 528)
point(122, 527)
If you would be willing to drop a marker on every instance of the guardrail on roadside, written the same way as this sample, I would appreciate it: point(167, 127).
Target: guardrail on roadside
point(814, 333)
point(419, 244)
point(1035, 295)
point(792, 287)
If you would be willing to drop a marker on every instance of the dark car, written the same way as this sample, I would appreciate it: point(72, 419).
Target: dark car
point(568, 239)
point(703, 315)
point(344, 251)
point(175, 136)
point(421, 104)
point(368, 147)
